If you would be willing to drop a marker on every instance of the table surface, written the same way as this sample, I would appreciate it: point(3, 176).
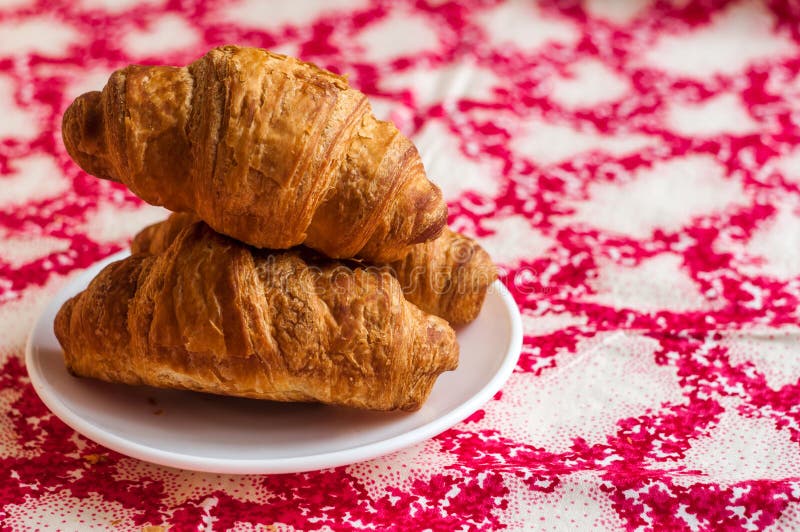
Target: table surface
point(631, 166)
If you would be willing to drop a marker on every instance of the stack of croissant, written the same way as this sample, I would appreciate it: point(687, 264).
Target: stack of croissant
point(307, 258)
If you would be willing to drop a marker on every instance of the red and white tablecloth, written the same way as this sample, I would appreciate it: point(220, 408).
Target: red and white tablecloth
point(634, 168)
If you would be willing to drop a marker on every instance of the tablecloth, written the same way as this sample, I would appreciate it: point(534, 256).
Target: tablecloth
point(632, 166)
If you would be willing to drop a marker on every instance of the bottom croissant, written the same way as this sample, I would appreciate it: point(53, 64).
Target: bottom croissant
point(212, 315)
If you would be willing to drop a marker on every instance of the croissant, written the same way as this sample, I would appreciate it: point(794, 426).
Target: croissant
point(213, 315)
point(447, 277)
point(262, 147)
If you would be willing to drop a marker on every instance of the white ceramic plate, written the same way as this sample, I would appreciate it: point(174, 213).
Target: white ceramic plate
point(230, 435)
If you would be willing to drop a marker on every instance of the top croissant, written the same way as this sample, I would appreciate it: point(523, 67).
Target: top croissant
point(264, 148)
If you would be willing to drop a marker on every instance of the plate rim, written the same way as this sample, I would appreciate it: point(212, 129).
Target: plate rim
point(294, 464)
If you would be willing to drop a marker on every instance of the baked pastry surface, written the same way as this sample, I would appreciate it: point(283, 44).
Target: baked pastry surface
point(264, 148)
point(447, 277)
point(213, 315)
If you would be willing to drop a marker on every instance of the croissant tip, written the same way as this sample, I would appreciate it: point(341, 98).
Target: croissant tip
point(82, 133)
point(79, 122)
point(61, 323)
point(434, 221)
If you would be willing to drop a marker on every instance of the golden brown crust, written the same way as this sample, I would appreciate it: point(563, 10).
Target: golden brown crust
point(265, 148)
point(213, 315)
point(447, 277)
point(156, 238)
